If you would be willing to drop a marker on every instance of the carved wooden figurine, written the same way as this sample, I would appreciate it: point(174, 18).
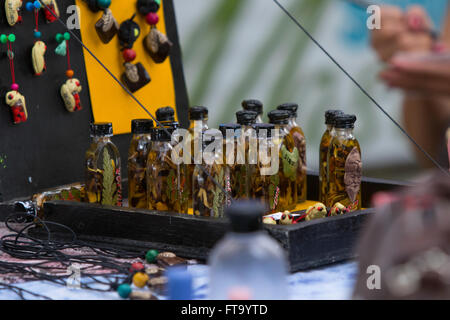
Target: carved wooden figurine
point(12, 10)
point(16, 101)
point(70, 94)
point(37, 57)
point(51, 11)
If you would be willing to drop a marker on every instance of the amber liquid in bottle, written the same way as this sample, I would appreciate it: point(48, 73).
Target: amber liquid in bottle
point(323, 162)
point(342, 144)
point(298, 136)
point(137, 167)
point(102, 172)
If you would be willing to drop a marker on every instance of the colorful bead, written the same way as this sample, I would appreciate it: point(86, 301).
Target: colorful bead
point(150, 256)
point(15, 87)
point(37, 34)
point(137, 266)
point(12, 37)
point(103, 4)
point(124, 290)
point(37, 4)
point(152, 18)
point(29, 6)
point(59, 37)
point(140, 279)
point(3, 38)
point(158, 2)
point(66, 36)
point(129, 55)
point(69, 73)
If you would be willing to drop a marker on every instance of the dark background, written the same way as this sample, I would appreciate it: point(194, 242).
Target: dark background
point(48, 150)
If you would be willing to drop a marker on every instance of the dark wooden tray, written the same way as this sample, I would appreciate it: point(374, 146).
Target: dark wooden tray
point(308, 244)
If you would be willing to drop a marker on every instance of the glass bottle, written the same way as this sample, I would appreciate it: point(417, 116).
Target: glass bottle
point(244, 148)
point(288, 161)
point(264, 182)
point(137, 162)
point(208, 197)
point(102, 167)
point(323, 153)
point(162, 174)
point(255, 106)
point(344, 165)
point(300, 142)
point(234, 186)
point(247, 264)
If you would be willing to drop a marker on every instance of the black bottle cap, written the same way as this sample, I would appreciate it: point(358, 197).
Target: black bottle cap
point(146, 6)
point(141, 126)
point(289, 107)
point(165, 114)
point(246, 118)
point(198, 113)
point(345, 121)
point(279, 117)
point(245, 216)
point(330, 115)
point(253, 105)
point(101, 129)
point(264, 126)
point(230, 126)
point(162, 134)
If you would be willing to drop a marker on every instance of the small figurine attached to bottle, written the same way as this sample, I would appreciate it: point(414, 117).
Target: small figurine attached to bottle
point(102, 166)
point(344, 165)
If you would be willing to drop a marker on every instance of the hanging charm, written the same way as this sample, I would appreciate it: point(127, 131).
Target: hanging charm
point(135, 76)
point(71, 89)
point(51, 11)
point(107, 26)
point(12, 10)
point(13, 98)
point(156, 43)
point(39, 47)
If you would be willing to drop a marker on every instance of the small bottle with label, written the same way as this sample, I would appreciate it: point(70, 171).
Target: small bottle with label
point(289, 157)
point(162, 174)
point(323, 153)
point(300, 142)
point(102, 167)
point(255, 106)
point(344, 165)
point(264, 181)
point(137, 162)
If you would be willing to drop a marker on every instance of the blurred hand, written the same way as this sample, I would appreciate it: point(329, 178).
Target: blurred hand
point(423, 74)
point(402, 32)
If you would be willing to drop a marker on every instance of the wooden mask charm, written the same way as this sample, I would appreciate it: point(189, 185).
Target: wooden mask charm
point(51, 11)
point(16, 102)
point(37, 57)
point(107, 27)
point(135, 76)
point(157, 45)
point(70, 94)
point(12, 10)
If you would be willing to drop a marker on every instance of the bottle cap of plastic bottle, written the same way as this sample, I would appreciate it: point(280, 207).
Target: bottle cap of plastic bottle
point(245, 216)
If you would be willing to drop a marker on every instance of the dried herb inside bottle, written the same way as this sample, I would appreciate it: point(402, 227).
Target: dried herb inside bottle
point(103, 177)
point(137, 162)
point(344, 165)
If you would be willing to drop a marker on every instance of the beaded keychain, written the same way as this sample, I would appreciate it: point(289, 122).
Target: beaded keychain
point(12, 10)
point(39, 47)
point(14, 99)
point(135, 76)
point(107, 27)
point(156, 43)
point(70, 90)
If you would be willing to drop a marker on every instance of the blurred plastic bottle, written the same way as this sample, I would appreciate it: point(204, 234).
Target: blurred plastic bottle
point(179, 281)
point(247, 264)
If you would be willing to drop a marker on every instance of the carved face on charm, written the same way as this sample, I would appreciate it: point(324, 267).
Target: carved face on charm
point(12, 9)
point(317, 211)
point(70, 94)
point(16, 102)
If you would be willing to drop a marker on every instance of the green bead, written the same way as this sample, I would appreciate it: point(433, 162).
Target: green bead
point(124, 290)
point(12, 37)
point(158, 2)
point(150, 256)
point(66, 36)
point(103, 4)
point(3, 38)
point(59, 37)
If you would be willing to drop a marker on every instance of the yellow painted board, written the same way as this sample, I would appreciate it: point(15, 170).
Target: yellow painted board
point(111, 103)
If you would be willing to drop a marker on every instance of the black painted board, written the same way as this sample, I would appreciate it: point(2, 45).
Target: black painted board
point(48, 150)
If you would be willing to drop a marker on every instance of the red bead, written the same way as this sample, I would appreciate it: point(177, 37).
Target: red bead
point(129, 55)
point(152, 18)
point(137, 266)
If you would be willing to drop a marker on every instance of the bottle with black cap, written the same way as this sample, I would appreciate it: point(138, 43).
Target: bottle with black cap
point(289, 159)
point(103, 177)
point(255, 106)
point(264, 175)
point(137, 162)
point(166, 116)
point(323, 152)
point(208, 197)
point(234, 185)
point(300, 142)
point(163, 185)
point(247, 264)
point(344, 165)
